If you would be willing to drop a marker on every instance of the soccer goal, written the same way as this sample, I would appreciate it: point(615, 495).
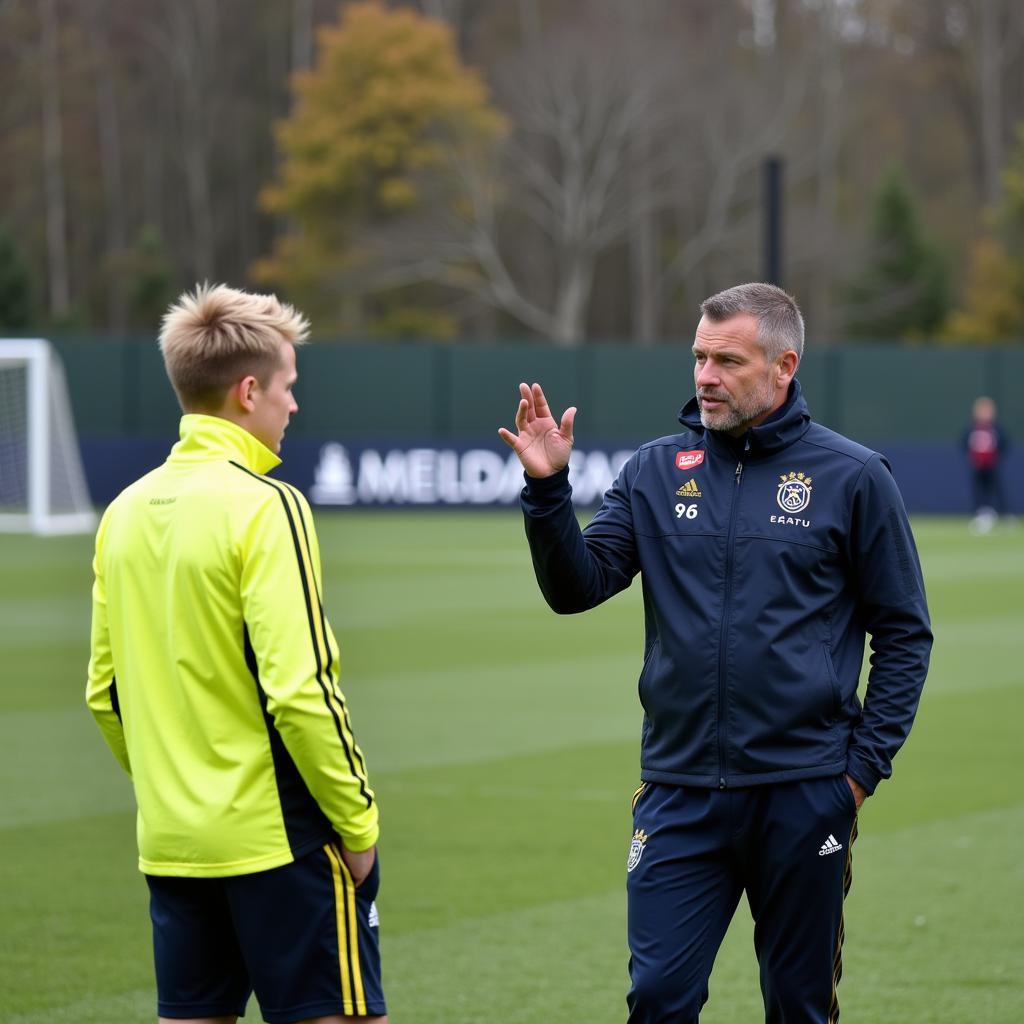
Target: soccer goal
point(42, 486)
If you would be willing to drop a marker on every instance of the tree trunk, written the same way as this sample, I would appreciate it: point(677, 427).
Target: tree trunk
point(644, 233)
point(820, 311)
point(302, 35)
point(53, 171)
point(571, 303)
point(991, 101)
point(644, 242)
point(194, 30)
point(111, 167)
point(529, 23)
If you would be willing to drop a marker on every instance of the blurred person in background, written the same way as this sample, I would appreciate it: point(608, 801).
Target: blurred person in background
point(214, 679)
point(768, 547)
point(986, 445)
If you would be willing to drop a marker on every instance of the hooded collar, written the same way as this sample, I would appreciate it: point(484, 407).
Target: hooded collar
point(787, 424)
point(212, 438)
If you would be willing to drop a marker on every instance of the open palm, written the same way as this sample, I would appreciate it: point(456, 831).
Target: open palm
point(543, 446)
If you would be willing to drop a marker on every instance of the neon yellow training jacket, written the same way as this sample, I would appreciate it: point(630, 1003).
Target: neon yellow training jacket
point(214, 673)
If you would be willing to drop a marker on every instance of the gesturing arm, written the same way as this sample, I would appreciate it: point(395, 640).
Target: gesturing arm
point(575, 569)
point(543, 446)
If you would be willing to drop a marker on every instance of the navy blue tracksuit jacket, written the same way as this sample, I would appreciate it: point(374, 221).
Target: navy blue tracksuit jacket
point(765, 560)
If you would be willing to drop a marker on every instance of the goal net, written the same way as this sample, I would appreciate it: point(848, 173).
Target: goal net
point(42, 486)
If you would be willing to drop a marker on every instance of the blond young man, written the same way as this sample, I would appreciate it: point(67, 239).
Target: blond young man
point(214, 679)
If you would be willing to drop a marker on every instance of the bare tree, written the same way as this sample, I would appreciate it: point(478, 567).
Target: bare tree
point(635, 135)
point(582, 121)
point(302, 34)
point(115, 214)
point(729, 132)
point(53, 169)
point(610, 131)
point(829, 135)
point(184, 35)
point(1002, 35)
point(644, 234)
point(560, 189)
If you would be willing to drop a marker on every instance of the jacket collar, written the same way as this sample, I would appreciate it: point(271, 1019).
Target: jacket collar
point(211, 438)
point(787, 424)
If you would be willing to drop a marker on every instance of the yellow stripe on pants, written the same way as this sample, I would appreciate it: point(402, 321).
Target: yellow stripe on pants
point(348, 925)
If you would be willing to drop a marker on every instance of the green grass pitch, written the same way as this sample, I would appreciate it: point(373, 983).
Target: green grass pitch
point(502, 741)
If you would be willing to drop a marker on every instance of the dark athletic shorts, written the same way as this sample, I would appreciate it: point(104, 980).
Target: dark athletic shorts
point(300, 936)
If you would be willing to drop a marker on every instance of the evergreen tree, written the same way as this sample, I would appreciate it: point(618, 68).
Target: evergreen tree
point(904, 289)
point(150, 287)
point(16, 293)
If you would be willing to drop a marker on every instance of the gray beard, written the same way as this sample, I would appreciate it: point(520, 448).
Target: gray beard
point(736, 416)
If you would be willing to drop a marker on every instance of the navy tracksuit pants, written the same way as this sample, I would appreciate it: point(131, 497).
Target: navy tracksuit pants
point(694, 852)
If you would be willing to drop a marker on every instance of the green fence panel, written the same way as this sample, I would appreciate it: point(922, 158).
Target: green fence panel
point(96, 372)
point(484, 384)
point(383, 389)
point(635, 394)
point(915, 393)
point(907, 392)
point(816, 380)
point(152, 408)
point(1006, 386)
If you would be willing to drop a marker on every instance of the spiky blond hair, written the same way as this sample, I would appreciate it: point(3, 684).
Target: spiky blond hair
point(214, 335)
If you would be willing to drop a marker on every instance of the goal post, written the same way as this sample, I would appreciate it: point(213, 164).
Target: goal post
point(42, 484)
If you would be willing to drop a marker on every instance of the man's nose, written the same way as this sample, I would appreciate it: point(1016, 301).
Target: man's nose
point(707, 375)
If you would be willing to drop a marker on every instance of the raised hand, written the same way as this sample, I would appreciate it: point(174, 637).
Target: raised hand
point(543, 446)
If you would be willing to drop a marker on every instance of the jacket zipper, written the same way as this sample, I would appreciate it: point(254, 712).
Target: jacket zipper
point(730, 536)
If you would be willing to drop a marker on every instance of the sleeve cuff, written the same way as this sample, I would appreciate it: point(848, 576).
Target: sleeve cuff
point(541, 487)
point(361, 842)
point(867, 780)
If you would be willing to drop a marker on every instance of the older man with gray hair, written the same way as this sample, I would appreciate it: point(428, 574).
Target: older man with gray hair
point(769, 548)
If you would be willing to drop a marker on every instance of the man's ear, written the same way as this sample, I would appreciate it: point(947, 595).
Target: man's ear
point(243, 393)
point(787, 364)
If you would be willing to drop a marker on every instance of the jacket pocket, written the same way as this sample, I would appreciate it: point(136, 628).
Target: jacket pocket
point(835, 691)
point(649, 659)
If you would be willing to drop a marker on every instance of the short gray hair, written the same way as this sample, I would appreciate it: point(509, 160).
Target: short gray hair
point(780, 327)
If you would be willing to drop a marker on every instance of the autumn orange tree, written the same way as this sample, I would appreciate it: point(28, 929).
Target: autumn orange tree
point(378, 128)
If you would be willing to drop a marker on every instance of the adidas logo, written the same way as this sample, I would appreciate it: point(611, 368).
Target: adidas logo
point(829, 846)
point(689, 489)
point(373, 920)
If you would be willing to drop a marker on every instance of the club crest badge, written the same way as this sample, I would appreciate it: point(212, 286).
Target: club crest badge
point(636, 848)
point(794, 494)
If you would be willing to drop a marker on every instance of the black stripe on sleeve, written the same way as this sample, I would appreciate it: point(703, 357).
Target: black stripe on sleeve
point(305, 823)
point(308, 592)
point(114, 702)
point(323, 627)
